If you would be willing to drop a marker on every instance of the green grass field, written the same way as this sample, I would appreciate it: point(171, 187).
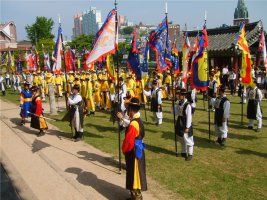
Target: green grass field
point(236, 171)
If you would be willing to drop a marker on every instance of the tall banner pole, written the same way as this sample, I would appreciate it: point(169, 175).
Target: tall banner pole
point(118, 89)
point(209, 104)
point(172, 88)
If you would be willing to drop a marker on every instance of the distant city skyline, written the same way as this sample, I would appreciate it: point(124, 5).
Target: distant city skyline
point(180, 12)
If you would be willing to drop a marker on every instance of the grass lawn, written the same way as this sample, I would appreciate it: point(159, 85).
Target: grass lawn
point(236, 171)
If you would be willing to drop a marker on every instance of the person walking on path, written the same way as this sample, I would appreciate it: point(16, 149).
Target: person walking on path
point(133, 149)
point(37, 119)
point(76, 112)
point(25, 102)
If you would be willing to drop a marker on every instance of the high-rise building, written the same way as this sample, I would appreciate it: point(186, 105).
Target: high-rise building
point(241, 13)
point(78, 27)
point(91, 21)
point(87, 23)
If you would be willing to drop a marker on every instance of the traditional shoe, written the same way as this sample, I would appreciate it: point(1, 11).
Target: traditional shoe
point(77, 139)
point(219, 140)
point(223, 142)
point(183, 155)
point(250, 127)
point(189, 157)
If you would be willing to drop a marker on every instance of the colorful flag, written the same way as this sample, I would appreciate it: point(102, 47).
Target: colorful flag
point(196, 44)
point(159, 42)
point(69, 60)
point(175, 58)
point(144, 66)
point(262, 49)
point(57, 53)
point(111, 67)
point(46, 61)
point(186, 55)
point(106, 39)
point(199, 66)
point(133, 61)
point(245, 72)
point(19, 64)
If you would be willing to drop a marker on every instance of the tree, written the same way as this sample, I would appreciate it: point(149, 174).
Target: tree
point(40, 29)
point(81, 42)
point(128, 30)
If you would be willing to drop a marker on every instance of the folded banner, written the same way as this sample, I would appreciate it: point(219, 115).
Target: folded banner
point(175, 58)
point(57, 53)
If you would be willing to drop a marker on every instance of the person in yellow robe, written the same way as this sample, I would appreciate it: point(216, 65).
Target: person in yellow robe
point(97, 97)
point(217, 75)
point(64, 84)
point(70, 81)
point(40, 84)
point(58, 84)
point(89, 97)
point(130, 85)
point(83, 93)
point(105, 100)
point(168, 83)
point(48, 79)
point(35, 80)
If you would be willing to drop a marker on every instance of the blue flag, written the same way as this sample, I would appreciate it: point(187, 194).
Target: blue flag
point(159, 42)
point(145, 52)
point(133, 61)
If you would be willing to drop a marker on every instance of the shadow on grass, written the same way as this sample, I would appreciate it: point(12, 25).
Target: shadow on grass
point(156, 149)
point(241, 137)
point(249, 152)
point(102, 128)
point(92, 157)
point(103, 187)
point(90, 135)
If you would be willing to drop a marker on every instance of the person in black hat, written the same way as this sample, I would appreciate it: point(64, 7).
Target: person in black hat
point(254, 112)
point(221, 116)
point(25, 102)
point(76, 112)
point(183, 126)
point(133, 149)
point(37, 120)
point(156, 102)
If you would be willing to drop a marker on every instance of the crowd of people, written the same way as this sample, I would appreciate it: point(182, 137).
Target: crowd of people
point(91, 91)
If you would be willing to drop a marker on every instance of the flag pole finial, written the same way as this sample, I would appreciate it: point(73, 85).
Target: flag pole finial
point(166, 8)
point(59, 19)
point(205, 17)
point(115, 4)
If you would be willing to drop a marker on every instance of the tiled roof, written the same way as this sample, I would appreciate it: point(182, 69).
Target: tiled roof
point(222, 39)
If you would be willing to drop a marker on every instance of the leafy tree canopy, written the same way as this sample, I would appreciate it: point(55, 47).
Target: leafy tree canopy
point(128, 30)
point(81, 42)
point(40, 29)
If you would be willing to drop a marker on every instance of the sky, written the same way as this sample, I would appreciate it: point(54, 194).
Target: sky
point(189, 12)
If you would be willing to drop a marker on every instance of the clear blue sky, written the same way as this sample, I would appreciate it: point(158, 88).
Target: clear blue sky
point(190, 12)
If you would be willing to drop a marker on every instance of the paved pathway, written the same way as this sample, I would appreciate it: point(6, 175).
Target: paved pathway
point(54, 167)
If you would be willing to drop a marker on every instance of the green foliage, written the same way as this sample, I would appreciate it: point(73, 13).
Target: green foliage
point(40, 29)
point(82, 41)
point(128, 30)
point(124, 49)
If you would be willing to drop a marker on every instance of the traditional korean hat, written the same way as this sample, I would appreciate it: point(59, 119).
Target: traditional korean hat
point(26, 83)
point(134, 102)
point(154, 82)
point(183, 92)
point(76, 87)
